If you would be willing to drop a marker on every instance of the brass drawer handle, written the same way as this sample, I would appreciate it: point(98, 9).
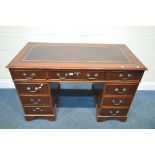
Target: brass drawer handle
point(117, 112)
point(38, 109)
point(63, 77)
point(32, 91)
point(29, 77)
point(124, 78)
point(116, 103)
point(92, 78)
point(35, 102)
point(120, 92)
point(110, 111)
point(36, 89)
point(114, 114)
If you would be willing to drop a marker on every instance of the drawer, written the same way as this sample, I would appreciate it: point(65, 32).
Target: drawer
point(94, 75)
point(64, 75)
point(116, 101)
point(120, 89)
point(114, 112)
point(28, 75)
point(35, 100)
point(125, 75)
point(39, 110)
point(76, 75)
point(33, 88)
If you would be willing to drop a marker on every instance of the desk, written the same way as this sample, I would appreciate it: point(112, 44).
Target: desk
point(112, 68)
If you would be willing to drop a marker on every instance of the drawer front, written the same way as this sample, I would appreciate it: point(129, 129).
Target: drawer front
point(64, 75)
point(29, 75)
point(120, 89)
point(76, 75)
point(35, 100)
point(116, 101)
point(93, 75)
point(34, 88)
point(114, 112)
point(125, 75)
point(38, 110)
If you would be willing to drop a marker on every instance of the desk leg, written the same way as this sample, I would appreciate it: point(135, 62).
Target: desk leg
point(28, 118)
point(122, 119)
point(103, 118)
point(50, 117)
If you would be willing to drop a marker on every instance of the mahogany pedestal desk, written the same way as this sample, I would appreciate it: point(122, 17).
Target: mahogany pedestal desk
point(112, 68)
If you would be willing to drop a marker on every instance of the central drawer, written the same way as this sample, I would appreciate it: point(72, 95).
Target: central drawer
point(32, 88)
point(35, 100)
point(76, 75)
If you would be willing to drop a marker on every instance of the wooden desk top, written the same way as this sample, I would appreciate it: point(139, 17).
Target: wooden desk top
point(76, 56)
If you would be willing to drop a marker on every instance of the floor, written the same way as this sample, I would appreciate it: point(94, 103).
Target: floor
point(77, 111)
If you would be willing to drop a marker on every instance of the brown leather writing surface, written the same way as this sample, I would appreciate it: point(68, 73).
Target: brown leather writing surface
point(78, 54)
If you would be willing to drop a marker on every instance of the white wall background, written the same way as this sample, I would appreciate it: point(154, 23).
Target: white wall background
point(141, 40)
